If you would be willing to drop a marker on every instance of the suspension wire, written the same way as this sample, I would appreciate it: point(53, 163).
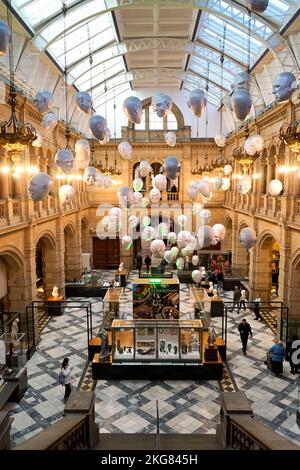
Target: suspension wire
point(249, 41)
point(11, 48)
point(67, 132)
point(222, 48)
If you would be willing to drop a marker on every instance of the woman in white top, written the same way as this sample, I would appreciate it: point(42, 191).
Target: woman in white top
point(243, 299)
point(66, 371)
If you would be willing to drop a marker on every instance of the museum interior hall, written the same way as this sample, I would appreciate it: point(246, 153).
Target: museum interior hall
point(149, 225)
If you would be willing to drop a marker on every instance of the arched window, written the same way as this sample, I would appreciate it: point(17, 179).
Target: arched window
point(150, 121)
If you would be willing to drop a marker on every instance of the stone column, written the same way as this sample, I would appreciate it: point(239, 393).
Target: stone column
point(284, 264)
point(260, 272)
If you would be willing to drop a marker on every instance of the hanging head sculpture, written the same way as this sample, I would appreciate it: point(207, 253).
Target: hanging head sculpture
point(65, 161)
point(258, 6)
point(161, 104)
point(133, 109)
point(5, 36)
point(43, 101)
point(98, 127)
point(283, 86)
point(197, 102)
point(241, 101)
point(39, 186)
point(83, 101)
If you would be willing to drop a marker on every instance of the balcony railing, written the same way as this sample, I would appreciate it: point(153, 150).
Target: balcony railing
point(14, 211)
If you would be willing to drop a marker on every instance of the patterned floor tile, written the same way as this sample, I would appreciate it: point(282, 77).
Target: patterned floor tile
point(130, 406)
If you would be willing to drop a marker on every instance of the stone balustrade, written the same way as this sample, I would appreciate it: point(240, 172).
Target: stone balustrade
point(14, 211)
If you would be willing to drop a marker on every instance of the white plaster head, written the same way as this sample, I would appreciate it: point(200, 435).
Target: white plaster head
point(161, 104)
point(144, 168)
point(43, 101)
point(247, 237)
point(66, 194)
point(133, 109)
point(82, 153)
point(283, 86)
point(125, 150)
point(197, 102)
point(83, 101)
point(170, 138)
point(40, 186)
point(65, 161)
point(90, 176)
point(49, 121)
point(98, 126)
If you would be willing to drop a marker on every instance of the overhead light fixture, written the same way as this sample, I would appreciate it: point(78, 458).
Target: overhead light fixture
point(15, 134)
point(290, 135)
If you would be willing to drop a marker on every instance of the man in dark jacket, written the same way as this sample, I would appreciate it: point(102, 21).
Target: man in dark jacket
point(244, 329)
point(147, 262)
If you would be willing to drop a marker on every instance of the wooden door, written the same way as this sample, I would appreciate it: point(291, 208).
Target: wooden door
point(106, 253)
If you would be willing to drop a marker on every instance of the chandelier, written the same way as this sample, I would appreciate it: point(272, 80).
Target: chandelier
point(204, 170)
point(290, 135)
point(15, 135)
point(242, 157)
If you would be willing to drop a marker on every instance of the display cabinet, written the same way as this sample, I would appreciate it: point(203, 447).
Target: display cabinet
point(157, 340)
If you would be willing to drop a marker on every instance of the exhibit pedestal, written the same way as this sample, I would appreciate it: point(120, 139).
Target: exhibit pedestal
point(121, 276)
point(55, 307)
point(156, 371)
point(211, 353)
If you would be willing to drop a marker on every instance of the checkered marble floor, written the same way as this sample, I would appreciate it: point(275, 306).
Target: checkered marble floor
point(274, 399)
point(130, 406)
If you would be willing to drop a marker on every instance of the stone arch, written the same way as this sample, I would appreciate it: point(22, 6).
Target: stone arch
point(175, 110)
point(13, 290)
point(72, 253)
point(266, 270)
point(47, 269)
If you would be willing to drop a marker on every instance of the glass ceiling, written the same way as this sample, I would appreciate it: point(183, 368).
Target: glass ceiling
point(90, 31)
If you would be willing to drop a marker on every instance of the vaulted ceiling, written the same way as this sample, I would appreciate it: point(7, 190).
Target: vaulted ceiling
point(112, 45)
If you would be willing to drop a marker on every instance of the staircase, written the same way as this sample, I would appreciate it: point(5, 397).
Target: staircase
point(124, 441)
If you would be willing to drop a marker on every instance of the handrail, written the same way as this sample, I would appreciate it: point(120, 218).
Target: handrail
point(69, 433)
point(248, 433)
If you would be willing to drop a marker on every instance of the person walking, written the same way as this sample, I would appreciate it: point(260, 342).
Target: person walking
point(277, 358)
point(257, 303)
point(236, 298)
point(295, 346)
point(139, 262)
point(243, 299)
point(244, 330)
point(66, 372)
point(147, 262)
point(220, 279)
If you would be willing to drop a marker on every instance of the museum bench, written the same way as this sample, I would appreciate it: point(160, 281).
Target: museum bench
point(7, 393)
point(13, 388)
point(5, 425)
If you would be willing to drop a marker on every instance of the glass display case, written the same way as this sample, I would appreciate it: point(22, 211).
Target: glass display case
point(157, 340)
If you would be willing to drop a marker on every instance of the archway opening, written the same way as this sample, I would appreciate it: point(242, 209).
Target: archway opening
point(267, 269)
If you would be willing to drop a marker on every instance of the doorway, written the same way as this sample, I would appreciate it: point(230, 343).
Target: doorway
point(106, 253)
